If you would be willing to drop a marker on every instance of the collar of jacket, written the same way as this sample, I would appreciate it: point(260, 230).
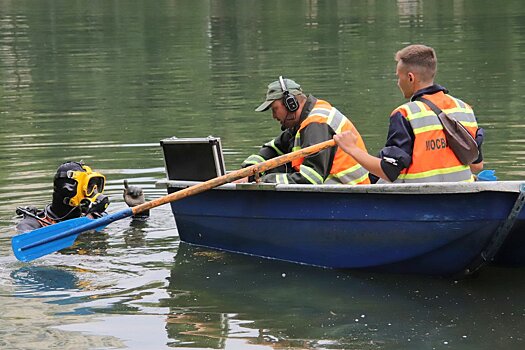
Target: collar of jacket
point(429, 90)
point(307, 108)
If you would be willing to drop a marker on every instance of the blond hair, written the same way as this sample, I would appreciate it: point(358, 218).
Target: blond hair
point(419, 58)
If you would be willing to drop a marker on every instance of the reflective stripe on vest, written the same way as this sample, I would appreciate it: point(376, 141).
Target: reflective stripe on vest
point(272, 145)
point(311, 175)
point(256, 159)
point(352, 176)
point(432, 159)
point(281, 179)
point(460, 173)
point(423, 119)
point(334, 118)
point(345, 170)
point(253, 159)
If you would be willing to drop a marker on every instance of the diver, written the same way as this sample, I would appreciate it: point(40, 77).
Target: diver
point(77, 191)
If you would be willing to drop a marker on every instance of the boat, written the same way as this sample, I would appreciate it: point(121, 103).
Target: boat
point(448, 229)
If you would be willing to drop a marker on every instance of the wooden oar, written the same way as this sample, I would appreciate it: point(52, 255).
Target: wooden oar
point(34, 244)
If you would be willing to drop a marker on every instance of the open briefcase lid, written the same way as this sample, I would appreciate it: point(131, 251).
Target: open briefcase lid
point(193, 159)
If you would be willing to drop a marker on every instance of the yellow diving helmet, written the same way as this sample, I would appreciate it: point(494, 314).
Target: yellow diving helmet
point(90, 184)
point(81, 184)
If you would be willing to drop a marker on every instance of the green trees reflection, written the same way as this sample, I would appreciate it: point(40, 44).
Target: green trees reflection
point(143, 70)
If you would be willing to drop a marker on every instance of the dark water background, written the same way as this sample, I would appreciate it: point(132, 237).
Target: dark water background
point(104, 81)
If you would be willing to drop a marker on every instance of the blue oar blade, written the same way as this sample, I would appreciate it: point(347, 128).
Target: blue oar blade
point(32, 245)
point(22, 241)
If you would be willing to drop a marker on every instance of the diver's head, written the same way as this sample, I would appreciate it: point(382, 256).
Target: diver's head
point(78, 190)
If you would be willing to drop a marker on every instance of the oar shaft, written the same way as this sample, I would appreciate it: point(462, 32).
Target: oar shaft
point(234, 175)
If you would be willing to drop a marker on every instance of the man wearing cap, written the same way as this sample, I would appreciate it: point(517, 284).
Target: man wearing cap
point(305, 121)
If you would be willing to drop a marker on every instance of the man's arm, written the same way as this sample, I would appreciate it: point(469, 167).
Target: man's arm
point(477, 166)
point(315, 168)
point(276, 147)
point(393, 158)
point(347, 140)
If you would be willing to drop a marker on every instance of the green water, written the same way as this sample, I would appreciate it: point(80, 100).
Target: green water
point(104, 81)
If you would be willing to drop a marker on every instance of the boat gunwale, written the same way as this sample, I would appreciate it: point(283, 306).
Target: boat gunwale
point(411, 188)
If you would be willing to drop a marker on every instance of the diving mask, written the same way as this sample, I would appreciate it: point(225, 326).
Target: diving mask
point(89, 184)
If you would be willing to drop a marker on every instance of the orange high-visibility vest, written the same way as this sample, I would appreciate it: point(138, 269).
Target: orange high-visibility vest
point(432, 159)
point(345, 169)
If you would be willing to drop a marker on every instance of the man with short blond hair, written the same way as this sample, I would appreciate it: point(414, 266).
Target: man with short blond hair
point(421, 58)
point(416, 148)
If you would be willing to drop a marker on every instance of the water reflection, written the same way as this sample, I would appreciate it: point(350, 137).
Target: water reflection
point(33, 280)
point(89, 243)
point(284, 305)
point(135, 236)
point(409, 8)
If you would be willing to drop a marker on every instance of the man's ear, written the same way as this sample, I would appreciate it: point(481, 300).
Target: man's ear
point(410, 76)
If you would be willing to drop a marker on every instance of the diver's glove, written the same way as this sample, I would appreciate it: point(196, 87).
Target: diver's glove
point(30, 210)
point(133, 196)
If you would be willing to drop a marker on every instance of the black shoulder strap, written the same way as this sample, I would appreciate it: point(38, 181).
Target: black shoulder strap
point(429, 103)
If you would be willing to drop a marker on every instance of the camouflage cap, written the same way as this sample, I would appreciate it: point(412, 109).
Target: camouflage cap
point(275, 92)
